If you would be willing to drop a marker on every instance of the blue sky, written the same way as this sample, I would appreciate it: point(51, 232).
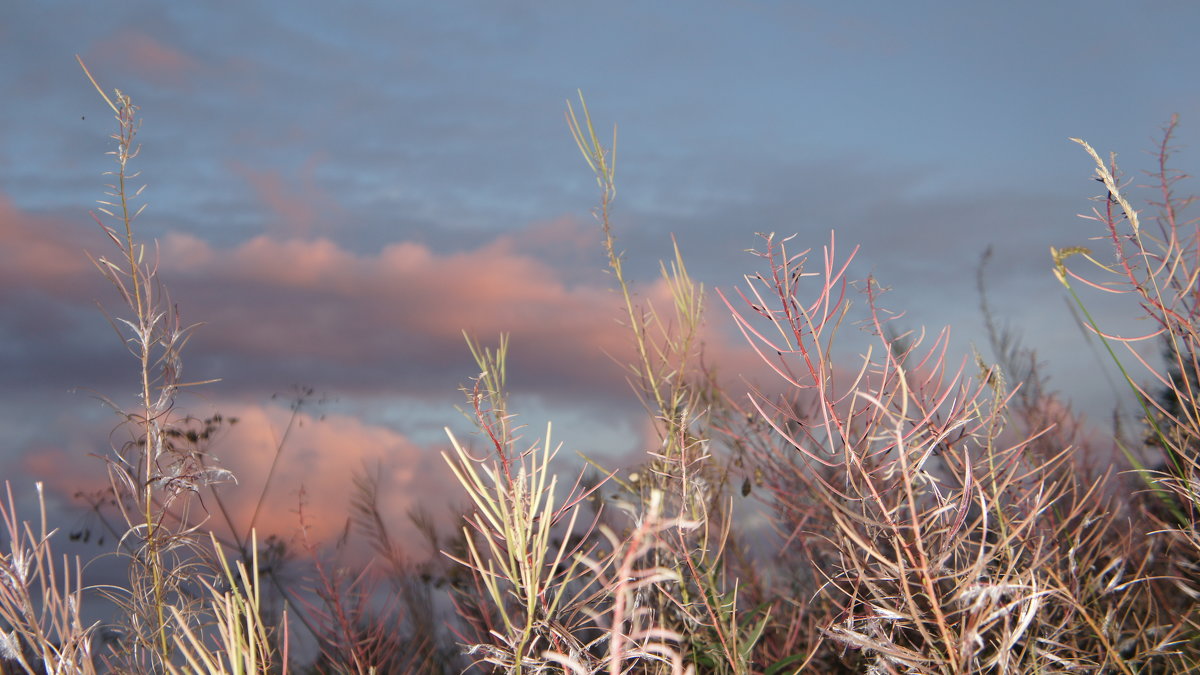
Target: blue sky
point(339, 189)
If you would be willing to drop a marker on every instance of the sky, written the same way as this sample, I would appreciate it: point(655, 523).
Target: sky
point(339, 190)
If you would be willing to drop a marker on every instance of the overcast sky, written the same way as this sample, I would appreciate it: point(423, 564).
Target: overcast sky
point(339, 189)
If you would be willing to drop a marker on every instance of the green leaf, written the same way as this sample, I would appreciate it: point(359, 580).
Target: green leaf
point(780, 665)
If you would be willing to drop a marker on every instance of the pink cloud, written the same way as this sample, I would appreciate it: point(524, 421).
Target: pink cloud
point(277, 298)
point(61, 470)
point(40, 252)
point(273, 304)
point(311, 298)
point(132, 51)
point(299, 207)
point(321, 456)
point(567, 240)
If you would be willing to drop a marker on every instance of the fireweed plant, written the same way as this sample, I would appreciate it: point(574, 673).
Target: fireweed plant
point(165, 617)
point(934, 516)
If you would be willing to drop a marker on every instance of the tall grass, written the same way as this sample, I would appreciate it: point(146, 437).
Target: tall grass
point(938, 517)
point(153, 485)
point(151, 481)
point(934, 515)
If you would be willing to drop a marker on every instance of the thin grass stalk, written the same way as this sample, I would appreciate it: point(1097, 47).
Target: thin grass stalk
point(669, 378)
point(243, 643)
point(41, 627)
point(134, 254)
point(525, 578)
point(152, 481)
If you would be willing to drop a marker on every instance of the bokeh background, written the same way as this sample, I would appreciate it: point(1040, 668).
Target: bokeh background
point(338, 190)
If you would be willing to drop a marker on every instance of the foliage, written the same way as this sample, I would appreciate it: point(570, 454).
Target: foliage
point(935, 516)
